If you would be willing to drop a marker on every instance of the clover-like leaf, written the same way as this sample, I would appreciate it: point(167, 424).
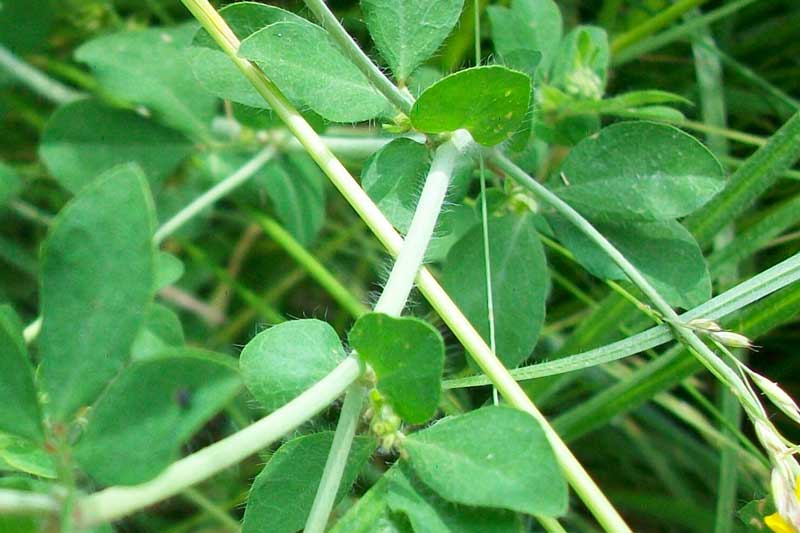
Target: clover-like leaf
point(491, 457)
point(85, 138)
point(519, 283)
point(154, 407)
point(302, 59)
point(489, 102)
point(407, 355)
point(20, 413)
point(283, 493)
point(407, 32)
point(285, 360)
point(639, 171)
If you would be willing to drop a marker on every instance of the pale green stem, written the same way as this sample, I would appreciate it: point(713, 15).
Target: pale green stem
point(392, 301)
point(211, 196)
point(441, 302)
point(705, 355)
point(23, 502)
point(197, 498)
point(337, 460)
point(346, 43)
point(53, 90)
point(116, 502)
point(405, 269)
point(752, 290)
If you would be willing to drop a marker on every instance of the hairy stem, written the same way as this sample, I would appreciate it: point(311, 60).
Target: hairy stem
point(358, 57)
point(392, 301)
point(116, 502)
point(337, 460)
point(586, 488)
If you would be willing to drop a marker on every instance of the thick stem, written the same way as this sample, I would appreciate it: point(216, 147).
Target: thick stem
point(405, 269)
point(392, 301)
point(589, 492)
point(115, 502)
point(337, 460)
point(53, 90)
point(358, 57)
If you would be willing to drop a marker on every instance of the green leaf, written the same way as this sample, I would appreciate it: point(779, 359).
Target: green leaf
point(399, 491)
point(285, 360)
point(639, 171)
point(749, 182)
point(298, 198)
point(454, 222)
point(428, 512)
point(407, 355)
point(214, 69)
point(663, 251)
point(85, 138)
point(150, 410)
point(303, 61)
point(10, 183)
point(169, 269)
point(150, 68)
point(490, 102)
point(491, 457)
point(393, 176)
point(407, 32)
point(283, 493)
point(22, 455)
point(19, 407)
point(97, 279)
point(528, 25)
point(519, 283)
point(162, 330)
point(25, 24)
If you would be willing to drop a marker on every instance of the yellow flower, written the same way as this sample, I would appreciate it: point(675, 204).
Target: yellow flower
point(778, 524)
